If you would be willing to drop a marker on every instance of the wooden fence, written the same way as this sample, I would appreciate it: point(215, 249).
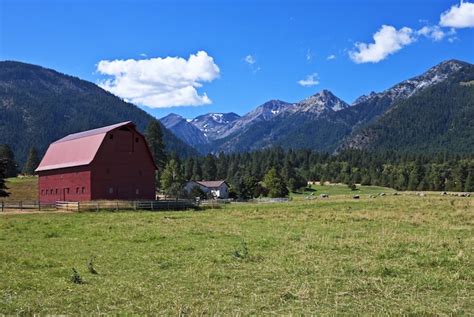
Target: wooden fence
point(98, 205)
point(26, 206)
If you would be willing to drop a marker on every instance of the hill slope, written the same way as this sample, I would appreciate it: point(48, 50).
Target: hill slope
point(39, 105)
point(439, 118)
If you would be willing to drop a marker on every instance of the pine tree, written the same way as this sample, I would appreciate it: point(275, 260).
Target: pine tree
point(11, 167)
point(209, 169)
point(275, 184)
point(154, 138)
point(197, 171)
point(172, 179)
point(3, 187)
point(469, 185)
point(32, 162)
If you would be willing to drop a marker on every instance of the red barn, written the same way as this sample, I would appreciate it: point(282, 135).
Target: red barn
point(112, 162)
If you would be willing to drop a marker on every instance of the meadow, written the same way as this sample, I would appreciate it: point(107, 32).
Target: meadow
point(401, 254)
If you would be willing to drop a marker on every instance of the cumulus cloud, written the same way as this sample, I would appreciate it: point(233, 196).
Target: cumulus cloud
point(250, 59)
point(433, 32)
point(387, 41)
point(160, 82)
point(436, 33)
point(331, 57)
point(309, 81)
point(458, 16)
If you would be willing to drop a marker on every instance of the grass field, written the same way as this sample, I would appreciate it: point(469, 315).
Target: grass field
point(386, 255)
point(22, 188)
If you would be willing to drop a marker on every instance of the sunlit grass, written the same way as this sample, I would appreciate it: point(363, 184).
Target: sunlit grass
point(393, 254)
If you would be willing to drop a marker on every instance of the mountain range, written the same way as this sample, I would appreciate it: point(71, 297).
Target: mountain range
point(430, 112)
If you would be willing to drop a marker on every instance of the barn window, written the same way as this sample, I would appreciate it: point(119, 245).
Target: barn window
point(57, 191)
point(111, 190)
point(137, 191)
point(42, 192)
point(77, 190)
point(67, 190)
point(83, 190)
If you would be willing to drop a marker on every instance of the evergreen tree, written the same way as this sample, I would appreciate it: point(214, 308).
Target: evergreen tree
point(189, 168)
point(172, 179)
point(32, 162)
point(3, 187)
point(416, 175)
point(209, 169)
point(469, 185)
point(154, 138)
point(11, 167)
point(275, 184)
point(197, 171)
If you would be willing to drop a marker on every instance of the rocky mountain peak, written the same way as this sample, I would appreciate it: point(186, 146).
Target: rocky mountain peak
point(171, 120)
point(322, 101)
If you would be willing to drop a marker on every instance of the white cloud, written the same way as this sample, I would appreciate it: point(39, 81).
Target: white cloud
point(458, 16)
point(309, 81)
point(160, 82)
point(143, 55)
point(331, 57)
point(433, 32)
point(249, 59)
point(309, 55)
point(387, 41)
point(436, 33)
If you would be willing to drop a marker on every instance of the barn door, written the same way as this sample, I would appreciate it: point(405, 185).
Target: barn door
point(63, 194)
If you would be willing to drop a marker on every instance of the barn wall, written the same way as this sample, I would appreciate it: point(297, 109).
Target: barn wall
point(123, 168)
point(69, 184)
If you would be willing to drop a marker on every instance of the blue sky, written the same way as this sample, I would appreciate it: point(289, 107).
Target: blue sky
point(250, 51)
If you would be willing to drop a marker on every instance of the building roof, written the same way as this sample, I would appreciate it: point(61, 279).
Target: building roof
point(211, 184)
point(76, 149)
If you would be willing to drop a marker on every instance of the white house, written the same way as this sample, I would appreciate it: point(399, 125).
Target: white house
point(218, 189)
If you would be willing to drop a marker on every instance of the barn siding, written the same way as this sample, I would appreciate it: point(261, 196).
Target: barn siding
point(72, 184)
point(123, 170)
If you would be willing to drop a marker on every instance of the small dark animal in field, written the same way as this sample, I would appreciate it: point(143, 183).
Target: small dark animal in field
point(444, 193)
point(324, 196)
point(356, 197)
point(90, 266)
point(76, 277)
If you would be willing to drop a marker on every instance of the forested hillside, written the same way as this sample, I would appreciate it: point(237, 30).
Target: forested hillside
point(39, 106)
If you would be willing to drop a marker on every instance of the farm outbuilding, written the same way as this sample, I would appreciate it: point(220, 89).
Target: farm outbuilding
point(218, 189)
point(112, 162)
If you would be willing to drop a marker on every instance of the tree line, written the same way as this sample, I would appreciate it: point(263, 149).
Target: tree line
point(275, 171)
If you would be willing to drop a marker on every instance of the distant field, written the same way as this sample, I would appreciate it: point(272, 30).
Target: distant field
point(386, 255)
point(22, 188)
point(340, 189)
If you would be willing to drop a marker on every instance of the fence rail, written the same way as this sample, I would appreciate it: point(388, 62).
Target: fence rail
point(97, 205)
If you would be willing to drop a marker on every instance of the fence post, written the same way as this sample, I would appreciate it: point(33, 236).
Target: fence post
point(39, 205)
point(3, 205)
point(116, 207)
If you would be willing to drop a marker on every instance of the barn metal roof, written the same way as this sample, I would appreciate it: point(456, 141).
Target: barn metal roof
point(76, 149)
